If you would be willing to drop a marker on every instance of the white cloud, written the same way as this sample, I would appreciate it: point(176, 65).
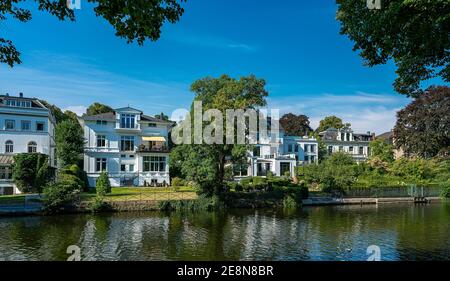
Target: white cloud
point(366, 112)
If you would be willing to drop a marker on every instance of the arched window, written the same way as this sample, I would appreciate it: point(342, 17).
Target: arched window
point(9, 147)
point(32, 147)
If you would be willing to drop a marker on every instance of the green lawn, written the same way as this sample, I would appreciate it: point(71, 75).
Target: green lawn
point(12, 199)
point(145, 193)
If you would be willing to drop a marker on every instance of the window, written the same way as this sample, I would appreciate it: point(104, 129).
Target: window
point(361, 150)
point(289, 147)
point(240, 169)
point(100, 164)
point(101, 141)
point(10, 124)
point(341, 148)
point(123, 167)
point(350, 149)
point(313, 148)
point(5, 173)
point(32, 146)
point(40, 126)
point(342, 137)
point(312, 158)
point(9, 147)
point(127, 121)
point(296, 148)
point(306, 158)
point(131, 156)
point(26, 125)
point(330, 149)
point(154, 163)
point(102, 122)
point(18, 103)
point(257, 151)
point(152, 125)
point(127, 143)
point(131, 167)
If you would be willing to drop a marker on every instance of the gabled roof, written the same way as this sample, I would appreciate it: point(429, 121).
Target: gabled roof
point(127, 108)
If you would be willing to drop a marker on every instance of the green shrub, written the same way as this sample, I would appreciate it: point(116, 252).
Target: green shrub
point(203, 203)
point(445, 192)
point(247, 183)
point(98, 205)
point(269, 175)
point(259, 183)
point(60, 194)
point(31, 172)
point(176, 182)
point(103, 186)
point(289, 202)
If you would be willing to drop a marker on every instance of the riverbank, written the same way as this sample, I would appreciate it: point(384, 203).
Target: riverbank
point(35, 208)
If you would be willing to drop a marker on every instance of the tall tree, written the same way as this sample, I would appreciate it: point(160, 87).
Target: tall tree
point(414, 34)
point(331, 122)
point(132, 20)
point(69, 142)
point(422, 127)
point(205, 163)
point(295, 125)
point(98, 108)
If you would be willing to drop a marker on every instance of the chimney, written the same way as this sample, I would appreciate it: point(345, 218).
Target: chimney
point(21, 94)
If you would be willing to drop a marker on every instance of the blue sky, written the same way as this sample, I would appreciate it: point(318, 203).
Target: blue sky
point(294, 45)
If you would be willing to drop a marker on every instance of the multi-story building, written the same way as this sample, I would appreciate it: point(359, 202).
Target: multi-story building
point(26, 126)
point(345, 140)
point(130, 146)
point(278, 154)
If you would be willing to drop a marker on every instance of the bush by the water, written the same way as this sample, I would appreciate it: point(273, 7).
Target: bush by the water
point(340, 173)
point(98, 205)
point(103, 186)
point(61, 194)
point(445, 189)
point(203, 203)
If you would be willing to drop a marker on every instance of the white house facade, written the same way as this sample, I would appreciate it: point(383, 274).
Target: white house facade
point(345, 140)
point(130, 146)
point(278, 154)
point(26, 126)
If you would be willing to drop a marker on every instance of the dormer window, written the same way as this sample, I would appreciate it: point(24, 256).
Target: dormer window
point(152, 125)
point(18, 103)
point(102, 122)
point(128, 121)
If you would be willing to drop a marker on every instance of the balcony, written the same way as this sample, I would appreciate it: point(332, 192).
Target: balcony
point(152, 148)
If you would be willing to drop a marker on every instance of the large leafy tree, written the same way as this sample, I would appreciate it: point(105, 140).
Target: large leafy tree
point(136, 20)
point(414, 34)
point(69, 142)
point(205, 163)
point(381, 150)
point(331, 122)
point(295, 125)
point(97, 108)
point(422, 127)
point(31, 172)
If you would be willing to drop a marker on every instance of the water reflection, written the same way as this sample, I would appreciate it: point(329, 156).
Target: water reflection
point(403, 232)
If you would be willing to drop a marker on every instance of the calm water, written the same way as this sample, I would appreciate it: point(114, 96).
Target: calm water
point(403, 232)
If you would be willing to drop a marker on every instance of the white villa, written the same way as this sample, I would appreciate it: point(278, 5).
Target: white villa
point(130, 146)
point(278, 154)
point(26, 126)
point(357, 145)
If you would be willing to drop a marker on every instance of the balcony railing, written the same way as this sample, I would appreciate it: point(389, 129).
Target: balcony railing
point(144, 148)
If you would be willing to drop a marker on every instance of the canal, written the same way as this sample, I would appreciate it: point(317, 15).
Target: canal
point(400, 231)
